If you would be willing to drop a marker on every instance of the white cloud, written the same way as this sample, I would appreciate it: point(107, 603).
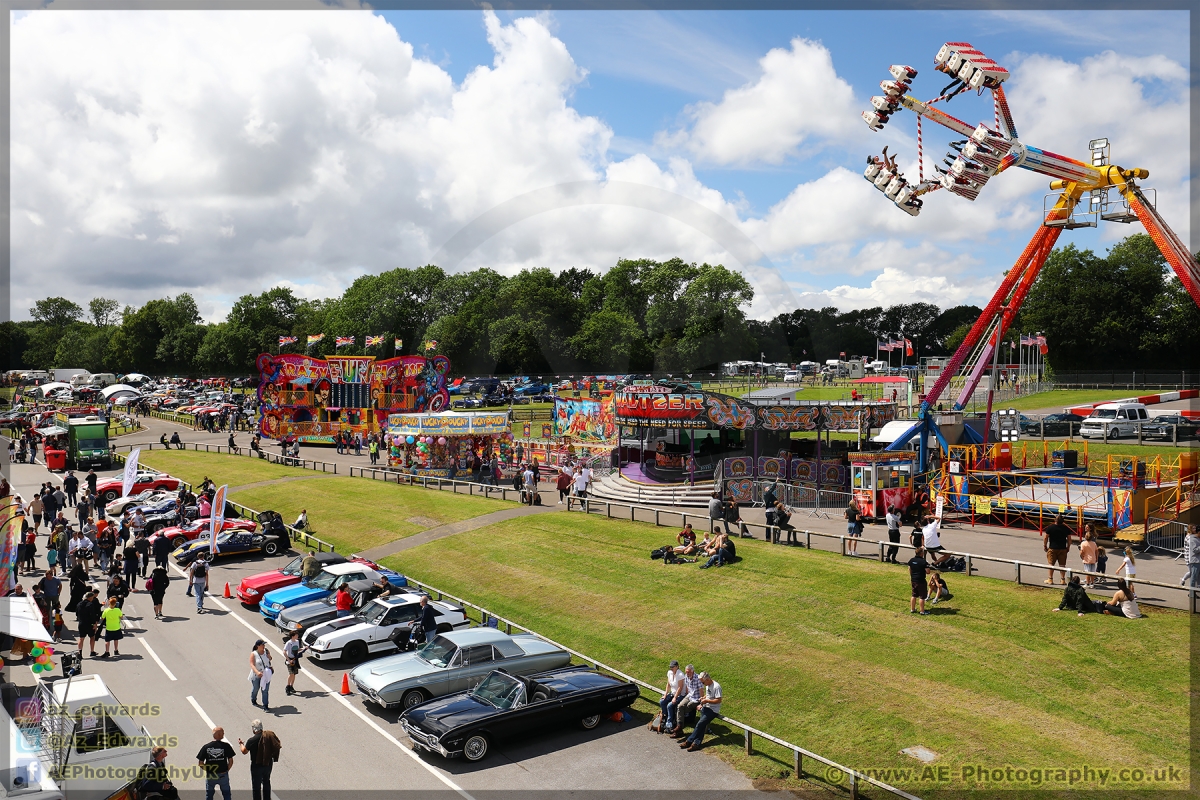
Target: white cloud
point(798, 97)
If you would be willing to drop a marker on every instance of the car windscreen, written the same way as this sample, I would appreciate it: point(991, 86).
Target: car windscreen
point(372, 613)
point(293, 567)
point(323, 581)
point(500, 690)
point(439, 652)
point(1104, 413)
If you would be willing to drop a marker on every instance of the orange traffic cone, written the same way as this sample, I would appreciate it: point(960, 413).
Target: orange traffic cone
point(227, 595)
point(345, 683)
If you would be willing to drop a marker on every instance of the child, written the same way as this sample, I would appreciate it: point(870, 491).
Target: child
point(1129, 564)
point(58, 625)
point(1101, 564)
point(938, 590)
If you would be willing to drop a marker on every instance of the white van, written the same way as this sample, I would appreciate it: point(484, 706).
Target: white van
point(102, 379)
point(1121, 419)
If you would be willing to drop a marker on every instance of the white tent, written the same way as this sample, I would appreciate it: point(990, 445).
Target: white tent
point(20, 618)
point(117, 388)
point(135, 377)
point(47, 388)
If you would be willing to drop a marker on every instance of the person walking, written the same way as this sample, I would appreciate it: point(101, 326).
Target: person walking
point(263, 749)
point(1191, 556)
point(36, 508)
point(291, 657)
point(87, 615)
point(111, 617)
point(141, 544)
point(159, 581)
point(162, 549)
point(1056, 541)
point(893, 529)
point(118, 590)
point(260, 675)
point(71, 487)
point(216, 759)
point(90, 479)
point(198, 573)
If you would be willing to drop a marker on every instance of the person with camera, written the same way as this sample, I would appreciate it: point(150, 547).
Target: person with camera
point(292, 651)
point(263, 748)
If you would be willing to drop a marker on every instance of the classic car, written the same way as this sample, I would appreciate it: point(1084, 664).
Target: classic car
point(234, 543)
point(382, 626)
point(251, 589)
point(309, 615)
point(109, 489)
point(115, 508)
point(1052, 425)
point(198, 529)
point(504, 706)
point(1171, 427)
point(322, 586)
point(453, 662)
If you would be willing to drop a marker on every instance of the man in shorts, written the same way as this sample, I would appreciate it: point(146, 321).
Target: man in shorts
point(918, 568)
point(291, 656)
point(1056, 541)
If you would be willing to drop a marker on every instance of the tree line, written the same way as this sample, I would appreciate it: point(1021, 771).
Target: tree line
point(639, 316)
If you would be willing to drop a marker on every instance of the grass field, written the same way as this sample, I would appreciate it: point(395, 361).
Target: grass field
point(354, 514)
point(1061, 398)
point(821, 650)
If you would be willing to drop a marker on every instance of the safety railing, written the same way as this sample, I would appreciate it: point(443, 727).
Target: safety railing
point(817, 502)
point(855, 778)
point(851, 545)
point(1166, 535)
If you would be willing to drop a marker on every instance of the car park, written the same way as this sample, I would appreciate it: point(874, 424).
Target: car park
point(321, 586)
point(382, 626)
point(109, 489)
point(1174, 427)
point(308, 615)
point(234, 543)
point(251, 589)
point(453, 662)
point(1113, 421)
point(505, 706)
point(177, 535)
point(1052, 425)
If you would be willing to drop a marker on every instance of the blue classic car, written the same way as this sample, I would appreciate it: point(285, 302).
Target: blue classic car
point(325, 584)
point(232, 543)
point(504, 706)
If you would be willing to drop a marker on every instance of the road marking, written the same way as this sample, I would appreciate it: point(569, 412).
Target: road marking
point(200, 711)
point(359, 713)
point(154, 655)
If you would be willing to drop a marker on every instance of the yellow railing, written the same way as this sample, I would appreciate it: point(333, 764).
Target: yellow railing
point(1025, 454)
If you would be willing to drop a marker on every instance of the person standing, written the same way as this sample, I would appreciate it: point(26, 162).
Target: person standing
point(260, 675)
point(1191, 556)
point(87, 615)
point(893, 529)
point(118, 590)
point(710, 709)
point(198, 574)
point(130, 559)
point(669, 702)
point(111, 617)
point(71, 487)
point(51, 588)
point(310, 567)
point(716, 513)
point(216, 759)
point(854, 528)
point(918, 569)
point(90, 480)
point(36, 508)
point(263, 749)
point(291, 657)
point(343, 601)
point(1089, 552)
point(428, 619)
point(159, 581)
point(162, 549)
point(1056, 541)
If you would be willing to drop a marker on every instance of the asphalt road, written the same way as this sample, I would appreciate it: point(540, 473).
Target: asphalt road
point(194, 667)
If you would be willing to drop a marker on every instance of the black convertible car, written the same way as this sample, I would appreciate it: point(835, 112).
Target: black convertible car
point(503, 706)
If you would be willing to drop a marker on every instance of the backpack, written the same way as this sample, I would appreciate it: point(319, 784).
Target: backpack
point(659, 553)
point(537, 499)
point(200, 570)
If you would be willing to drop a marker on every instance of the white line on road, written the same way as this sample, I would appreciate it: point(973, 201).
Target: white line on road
point(358, 713)
point(200, 711)
point(154, 655)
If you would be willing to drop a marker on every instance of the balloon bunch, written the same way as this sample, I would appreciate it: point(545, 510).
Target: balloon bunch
point(41, 653)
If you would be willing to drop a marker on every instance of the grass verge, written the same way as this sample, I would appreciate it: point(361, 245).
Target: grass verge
point(821, 650)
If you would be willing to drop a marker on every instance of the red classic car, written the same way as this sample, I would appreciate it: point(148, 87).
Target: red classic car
point(199, 528)
point(109, 489)
point(251, 589)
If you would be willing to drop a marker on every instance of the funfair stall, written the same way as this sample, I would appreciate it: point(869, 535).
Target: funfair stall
point(880, 480)
point(441, 445)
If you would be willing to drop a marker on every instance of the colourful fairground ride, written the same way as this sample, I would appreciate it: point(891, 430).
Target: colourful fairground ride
point(1029, 484)
point(311, 400)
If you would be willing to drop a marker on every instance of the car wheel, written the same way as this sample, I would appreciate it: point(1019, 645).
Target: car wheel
point(590, 722)
point(179, 541)
point(271, 548)
point(355, 652)
point(413, 697)
point(475, 748)
point(109, 496)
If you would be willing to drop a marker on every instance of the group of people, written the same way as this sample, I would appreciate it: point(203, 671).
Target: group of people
point(715, 549)
point(687, 693)
point(215, 760)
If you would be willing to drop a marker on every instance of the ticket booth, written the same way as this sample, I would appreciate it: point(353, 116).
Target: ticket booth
point(882, 479)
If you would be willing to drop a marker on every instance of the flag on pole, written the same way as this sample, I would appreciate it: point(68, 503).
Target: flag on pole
point(1041, 343)
point(130, 476)
point(399, 344)
point(373, 341)
point(883, 345)
point(286, 340)
point(908, 348)
point(343, 341)
point(313, 339)
point(218, 518)
point(431, 344)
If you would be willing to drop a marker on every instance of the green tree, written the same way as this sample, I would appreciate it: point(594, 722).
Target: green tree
point(105, 312)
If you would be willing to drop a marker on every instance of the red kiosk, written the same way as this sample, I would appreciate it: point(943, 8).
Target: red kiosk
point(882, 479)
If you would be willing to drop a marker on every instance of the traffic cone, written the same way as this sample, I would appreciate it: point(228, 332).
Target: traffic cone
point(345, 683)
point(227, 595)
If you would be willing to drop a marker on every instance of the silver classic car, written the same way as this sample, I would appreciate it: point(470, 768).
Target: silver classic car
point(453, 662)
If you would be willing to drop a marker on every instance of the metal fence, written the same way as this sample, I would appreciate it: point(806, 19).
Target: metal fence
point(1165, 535)
point(818, 502)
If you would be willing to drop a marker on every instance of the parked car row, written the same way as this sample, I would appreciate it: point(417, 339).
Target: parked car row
point(1113, 421)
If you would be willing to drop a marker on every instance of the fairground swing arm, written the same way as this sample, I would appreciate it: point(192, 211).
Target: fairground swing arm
point(983, 153)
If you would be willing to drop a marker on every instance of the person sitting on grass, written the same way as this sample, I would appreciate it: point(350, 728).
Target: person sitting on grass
point(718, 551)
point(1123, 603)
point(687, 541)
point(938, 590)
point(1075, 596)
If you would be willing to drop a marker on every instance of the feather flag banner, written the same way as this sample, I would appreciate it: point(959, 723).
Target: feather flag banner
point(399, 343)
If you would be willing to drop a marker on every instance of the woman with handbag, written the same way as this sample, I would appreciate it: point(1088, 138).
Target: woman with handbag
point(157, 585)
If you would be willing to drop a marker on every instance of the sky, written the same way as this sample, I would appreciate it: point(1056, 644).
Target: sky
point(223, 153)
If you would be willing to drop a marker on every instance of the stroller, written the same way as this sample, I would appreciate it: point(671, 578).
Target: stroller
point(411, 639)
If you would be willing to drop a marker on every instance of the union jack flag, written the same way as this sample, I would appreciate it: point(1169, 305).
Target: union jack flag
point(343, 341)
point(285, 340)
point(431, 344)
point(372, 341)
